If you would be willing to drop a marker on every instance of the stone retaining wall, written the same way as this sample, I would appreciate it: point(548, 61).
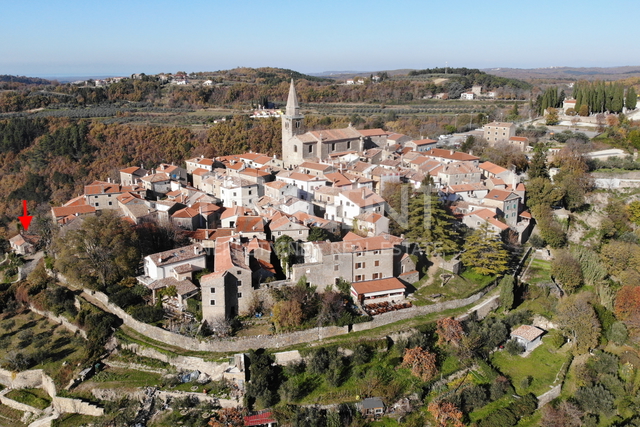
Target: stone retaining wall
point(242, 344)
point(408, 313)
point(60, 320)
point(76, 406)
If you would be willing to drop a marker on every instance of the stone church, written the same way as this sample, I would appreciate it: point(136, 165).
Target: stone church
point(299, 146)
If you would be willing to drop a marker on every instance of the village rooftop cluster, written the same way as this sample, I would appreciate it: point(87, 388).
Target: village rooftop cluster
point(234, 207)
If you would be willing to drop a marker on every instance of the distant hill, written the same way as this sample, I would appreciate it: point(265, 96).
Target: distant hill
point(5, 78)
point(342, 75)
point(567, 73)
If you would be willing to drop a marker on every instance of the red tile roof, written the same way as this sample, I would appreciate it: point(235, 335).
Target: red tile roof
point(259, 419)
point(381, 285)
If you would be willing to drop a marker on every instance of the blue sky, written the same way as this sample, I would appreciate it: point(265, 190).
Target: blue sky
point(71, 37)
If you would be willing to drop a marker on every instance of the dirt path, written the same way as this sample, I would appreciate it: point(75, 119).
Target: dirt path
point(432, 272)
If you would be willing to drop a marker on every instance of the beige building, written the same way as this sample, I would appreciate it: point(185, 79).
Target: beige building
point(495, 132)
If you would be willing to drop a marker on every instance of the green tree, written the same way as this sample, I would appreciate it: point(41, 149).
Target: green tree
point(285, 251)
point(507, 285)
point(430, 225)
point(538, 165)
point(101, 252)
point(631, 99)
point(552, 117)
point(633, 211)
point(579, 321)
point(317, 234)
point(484, 252)
point(566, 269)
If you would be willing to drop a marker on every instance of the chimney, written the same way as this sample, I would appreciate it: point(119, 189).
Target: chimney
point(195, 250)
point(451, 152)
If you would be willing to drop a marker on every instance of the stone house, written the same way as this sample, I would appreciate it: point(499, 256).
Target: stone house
point(528, 336)
point(160, 265)
point(496, 132)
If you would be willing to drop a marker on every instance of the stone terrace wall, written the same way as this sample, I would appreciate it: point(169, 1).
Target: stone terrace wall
point(60, 320)
point(237, 345)
point(76, 406)
point(26, 379)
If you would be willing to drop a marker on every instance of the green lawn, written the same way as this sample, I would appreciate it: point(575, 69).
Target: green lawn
point(543, 365)
point(457, 287)
point(35, 397)
point(73, 420)
point(539, 272)
point(127, 378)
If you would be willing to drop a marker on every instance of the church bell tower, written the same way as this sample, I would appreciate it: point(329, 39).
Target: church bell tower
point(292, 125)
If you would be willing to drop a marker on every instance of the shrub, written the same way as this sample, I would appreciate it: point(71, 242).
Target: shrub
point(514, 347)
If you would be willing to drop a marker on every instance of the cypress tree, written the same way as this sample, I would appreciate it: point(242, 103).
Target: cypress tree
point(632, 99)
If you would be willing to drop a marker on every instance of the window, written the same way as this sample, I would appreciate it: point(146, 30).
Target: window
point(376, 263)
point(234, 194)
point(239, 294)
point(336, 267)
point(212, 302)
point(213, 290)
point(110, 203)
point(97, 204)
point(279, 233)
point(239, 272)
point(361, 264)
point(297, 124)
point(359, 253)
point(335, 258)
point(95, 197)
point(348, 145)
point(295, 148)
point(249, 192)
point(239, 282)
point(376, 252)
point(358, 278)
point(311, 148)
point(376, 276)
point(299, 231)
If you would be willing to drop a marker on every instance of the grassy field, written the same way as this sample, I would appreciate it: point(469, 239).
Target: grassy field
point(35, 397)
point(539, 272)
point(73, 420)
point(122, 378)
point(460, 286)
point(541, 366)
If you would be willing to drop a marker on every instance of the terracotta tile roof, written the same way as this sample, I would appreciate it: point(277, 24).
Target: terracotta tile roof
point(185, 213)
point(208, 234)
point(455, 168)
point(492, 168)
point(314, 166)
point(254, 172)
point(370, 217)
point(360, 167)
point(450, 154)
point(259, 419)
point(501, 195)
point(421, 142)
point(200, 172)
point(466, 187)
point(228, 255)
point(276, 184)
point(381, 285)
point(156, 177)
point(361, 244)
point(519, 138)
point(327, 135)
point(525, 214)
point(250, 224)
point(363, 197)
point(101, 187)
point(236, 166)
point(390, 162)
point(373, 132)
point(236, 211)
point(127, 197)
point(250, 156)
point(527, 332)
point(64, 211)
point(76, 201)
point(396, 136)
point(338, 179)
point(262, 160)
point(131, 170)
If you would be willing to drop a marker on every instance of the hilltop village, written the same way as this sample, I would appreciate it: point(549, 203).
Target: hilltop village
point(235, 209)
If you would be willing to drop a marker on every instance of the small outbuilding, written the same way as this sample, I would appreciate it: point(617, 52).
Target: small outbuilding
point(528, 336)
point(372, 407)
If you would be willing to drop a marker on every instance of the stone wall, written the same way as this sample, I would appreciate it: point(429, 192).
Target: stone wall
point(242, 344)
point(408, 313)
point(60, 320)
point(17, 405)
point(76, 406)
point(547, 397)
point(25, 379)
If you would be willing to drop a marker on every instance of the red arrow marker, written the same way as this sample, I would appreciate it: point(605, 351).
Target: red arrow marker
point(25, 219)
